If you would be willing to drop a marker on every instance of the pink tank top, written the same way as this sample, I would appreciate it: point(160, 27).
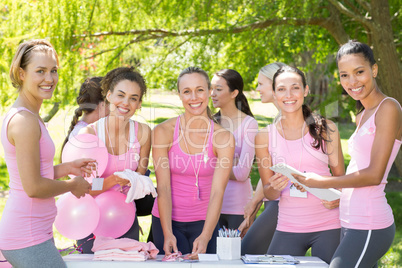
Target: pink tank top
point(128, 160)
point(366, 208)
point(186, 206)
point(239, 192)
point(298, 214)
point(26, 221)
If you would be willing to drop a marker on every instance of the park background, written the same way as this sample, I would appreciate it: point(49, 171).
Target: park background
point(160, 38)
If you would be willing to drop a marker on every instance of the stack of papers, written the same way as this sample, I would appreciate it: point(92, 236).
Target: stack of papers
point(269, 259)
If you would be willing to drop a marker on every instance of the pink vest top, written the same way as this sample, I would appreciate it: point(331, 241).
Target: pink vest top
point(239, 192)
point(186, 206)
point(26, 221)
point(366, 208)
point(297, 214)
point(128, 160)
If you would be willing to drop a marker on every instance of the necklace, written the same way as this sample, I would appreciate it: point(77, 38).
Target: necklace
point(111, 148)
point(286, 143)
point(204, 152)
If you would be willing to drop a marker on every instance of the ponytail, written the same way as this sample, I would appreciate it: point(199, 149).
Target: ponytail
point(242, 104)
point(318, 128)
point(77, 114)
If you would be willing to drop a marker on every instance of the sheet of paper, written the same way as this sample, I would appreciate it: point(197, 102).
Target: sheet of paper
point(330, 194)
point(97, 184)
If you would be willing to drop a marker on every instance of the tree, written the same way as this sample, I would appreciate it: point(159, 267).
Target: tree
point(162, 37)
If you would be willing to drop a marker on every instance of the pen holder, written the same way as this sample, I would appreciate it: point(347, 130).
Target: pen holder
point(228, 248)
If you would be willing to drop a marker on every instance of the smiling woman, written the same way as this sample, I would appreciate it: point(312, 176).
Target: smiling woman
point(128, 142)
point(192, 157)
point(29, 153)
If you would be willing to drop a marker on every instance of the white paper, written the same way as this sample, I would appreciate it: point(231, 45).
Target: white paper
point(330, 194)
point(97, 184)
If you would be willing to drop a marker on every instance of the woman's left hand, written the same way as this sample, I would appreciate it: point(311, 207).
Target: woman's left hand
point(200, 245)
point(82, 167)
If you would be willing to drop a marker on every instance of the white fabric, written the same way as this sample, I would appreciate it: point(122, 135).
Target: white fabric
point(141, 185)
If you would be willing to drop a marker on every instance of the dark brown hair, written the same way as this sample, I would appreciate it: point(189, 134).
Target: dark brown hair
point(235, 82)
point(113, 77)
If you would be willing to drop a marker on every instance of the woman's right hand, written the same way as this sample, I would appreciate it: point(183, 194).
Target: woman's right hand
point(278, 182)
point(170, 244)
point(80, 187)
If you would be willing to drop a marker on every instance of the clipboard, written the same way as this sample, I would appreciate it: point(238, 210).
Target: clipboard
point(330, 194)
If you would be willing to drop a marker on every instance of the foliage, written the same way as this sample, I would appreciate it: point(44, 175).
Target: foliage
point(163, 37)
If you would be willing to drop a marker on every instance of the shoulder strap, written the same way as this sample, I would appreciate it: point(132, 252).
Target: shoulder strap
point(133, 132)
point(384, 100)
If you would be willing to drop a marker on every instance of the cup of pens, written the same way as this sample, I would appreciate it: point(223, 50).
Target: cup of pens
point(228, 244)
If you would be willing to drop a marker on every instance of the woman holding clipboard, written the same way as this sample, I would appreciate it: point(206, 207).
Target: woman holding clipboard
point(368, 227)
point(309, 143)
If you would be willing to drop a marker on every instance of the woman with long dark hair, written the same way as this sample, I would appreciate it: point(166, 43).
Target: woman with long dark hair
point(309, 143)
point(368, 227)
point(235, 115)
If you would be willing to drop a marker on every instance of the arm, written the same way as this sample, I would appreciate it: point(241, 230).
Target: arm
point(162, 138)
point(386, 133)
point(24, 133)
point(273, 183)
point(241, 170)
point(220, 179)
point(336, 161)
point(251, 209)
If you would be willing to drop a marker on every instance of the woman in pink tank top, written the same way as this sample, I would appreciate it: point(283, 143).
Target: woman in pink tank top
point(193, 158)
point(368, 227)
point(235, 115)
point(309, 143)
point(26, 237)
point(128, 142)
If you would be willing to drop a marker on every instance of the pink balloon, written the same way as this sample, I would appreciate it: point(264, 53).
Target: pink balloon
point(116, 216)
point(86, 146)
point(76, 218)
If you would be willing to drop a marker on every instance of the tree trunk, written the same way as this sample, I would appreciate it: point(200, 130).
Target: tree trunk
point(390, 78)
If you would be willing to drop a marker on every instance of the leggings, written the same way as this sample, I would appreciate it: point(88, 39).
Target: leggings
point(185, 233)
point(323, 244)
point(43, 255)
point(87, 243)
point(362, 248)
point(230, 221)
point(259, 236)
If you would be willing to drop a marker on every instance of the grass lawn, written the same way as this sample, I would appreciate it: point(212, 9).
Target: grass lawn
point(161, 106)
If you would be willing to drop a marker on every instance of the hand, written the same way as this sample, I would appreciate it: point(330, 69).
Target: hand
point(278, 182)
point(200, 245)
point(121, 181)
point(330, 204)
point(245, 226)
point(83, 166)
point(80, 187)
point(311, 180)
point(299, 187)
point(170, 244)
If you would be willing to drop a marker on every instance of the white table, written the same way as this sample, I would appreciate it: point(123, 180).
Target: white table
point(85, 261)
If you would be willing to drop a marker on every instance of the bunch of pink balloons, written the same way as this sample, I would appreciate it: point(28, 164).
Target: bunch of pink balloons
point(106, 215)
